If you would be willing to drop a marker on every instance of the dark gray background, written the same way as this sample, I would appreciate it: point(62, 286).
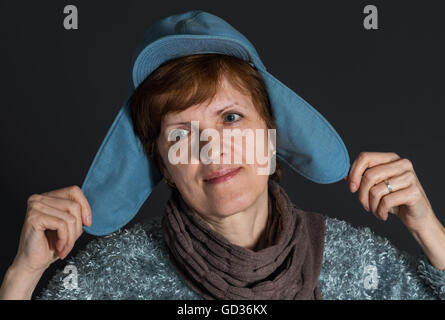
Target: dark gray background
point(382, 90)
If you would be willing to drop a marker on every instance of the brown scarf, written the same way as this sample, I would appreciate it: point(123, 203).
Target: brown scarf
point(284, 265)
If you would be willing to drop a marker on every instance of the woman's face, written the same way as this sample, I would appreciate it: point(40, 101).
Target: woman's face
point(229, 109)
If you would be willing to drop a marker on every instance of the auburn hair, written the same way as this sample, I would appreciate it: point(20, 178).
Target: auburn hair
point(190, 80)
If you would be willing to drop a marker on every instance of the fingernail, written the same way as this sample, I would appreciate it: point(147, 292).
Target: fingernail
point(352, 186)
point(65, 251)
point(58, 244)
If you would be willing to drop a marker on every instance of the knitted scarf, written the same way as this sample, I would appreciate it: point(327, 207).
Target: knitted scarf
point(286, 265)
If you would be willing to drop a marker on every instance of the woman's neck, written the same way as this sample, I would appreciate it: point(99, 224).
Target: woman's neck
point(246, 227)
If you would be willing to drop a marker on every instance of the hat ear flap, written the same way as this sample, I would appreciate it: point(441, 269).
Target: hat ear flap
point(120, 178)
point(306, 141)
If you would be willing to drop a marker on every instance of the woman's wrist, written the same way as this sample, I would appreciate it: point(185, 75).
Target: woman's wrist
point(431, 238)
point(19, 283)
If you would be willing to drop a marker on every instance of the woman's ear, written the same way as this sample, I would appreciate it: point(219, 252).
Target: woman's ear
point(168, 178)
point(164, 170)
point(161, 166)
point(166, 175)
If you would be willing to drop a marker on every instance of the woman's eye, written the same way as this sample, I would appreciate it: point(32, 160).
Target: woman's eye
point(231, 117)
point(177, 134)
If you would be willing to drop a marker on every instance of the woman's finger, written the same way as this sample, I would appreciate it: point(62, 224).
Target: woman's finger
point(42, 222)
point(377, 192)
point(65, 205)
point(378, 174)
point(367, 160)
point(394, 199)
point(68, 218)
point(74, 193)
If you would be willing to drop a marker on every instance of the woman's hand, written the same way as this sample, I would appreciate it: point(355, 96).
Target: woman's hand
point(407, 200)
point(53, 223)
point(369, 174)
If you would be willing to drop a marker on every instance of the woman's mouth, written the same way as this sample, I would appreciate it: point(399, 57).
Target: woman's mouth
point(223, 176)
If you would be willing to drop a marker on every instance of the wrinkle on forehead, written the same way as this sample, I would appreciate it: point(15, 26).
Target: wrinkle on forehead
point(225, 96)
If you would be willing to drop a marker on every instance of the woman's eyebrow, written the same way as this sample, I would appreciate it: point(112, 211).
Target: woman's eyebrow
point(226, 107)
point(177, 123)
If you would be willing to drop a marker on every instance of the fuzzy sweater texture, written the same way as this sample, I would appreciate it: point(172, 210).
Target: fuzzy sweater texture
point(133, 264)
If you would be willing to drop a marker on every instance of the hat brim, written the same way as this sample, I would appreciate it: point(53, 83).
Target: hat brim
point(306, 142)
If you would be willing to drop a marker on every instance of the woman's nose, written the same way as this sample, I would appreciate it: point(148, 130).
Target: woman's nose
point(212, 148)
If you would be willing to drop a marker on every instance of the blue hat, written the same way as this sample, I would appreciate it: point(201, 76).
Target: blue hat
point(122, 177)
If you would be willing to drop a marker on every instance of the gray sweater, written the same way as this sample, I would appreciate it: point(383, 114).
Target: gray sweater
point(133, 264)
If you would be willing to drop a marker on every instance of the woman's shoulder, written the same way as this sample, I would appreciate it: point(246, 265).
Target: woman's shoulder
point(127, 264)
point(340, 231)
point(360, 264)
point(343, 239)
point(357, 246)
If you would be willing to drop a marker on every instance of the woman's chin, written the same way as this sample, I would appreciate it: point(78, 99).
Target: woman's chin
point(231, 196)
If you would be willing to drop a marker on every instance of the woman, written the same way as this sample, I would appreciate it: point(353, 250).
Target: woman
point(227, 232)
